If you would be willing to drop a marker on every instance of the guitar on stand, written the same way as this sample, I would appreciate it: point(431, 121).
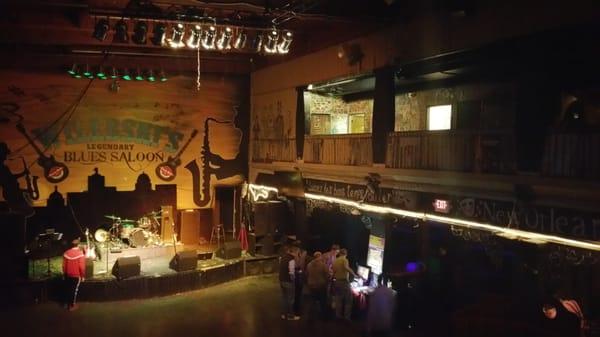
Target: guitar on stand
point(54, 171)
point(90, 249)
point(167, 171)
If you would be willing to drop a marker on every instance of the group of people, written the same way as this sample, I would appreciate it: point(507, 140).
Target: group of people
point(327, 279)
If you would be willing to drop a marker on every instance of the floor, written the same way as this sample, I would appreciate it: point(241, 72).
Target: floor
point(243, 308)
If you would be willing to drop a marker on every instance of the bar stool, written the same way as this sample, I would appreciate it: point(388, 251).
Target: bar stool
point(218, 235)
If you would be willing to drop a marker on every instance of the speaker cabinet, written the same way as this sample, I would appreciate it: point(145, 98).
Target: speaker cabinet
point(190, 227)
point(89, 268)
point(230, 250)
point(186, 260)
point(252, 244)
point(126, 267)
point(167, 223)
point(265, 245)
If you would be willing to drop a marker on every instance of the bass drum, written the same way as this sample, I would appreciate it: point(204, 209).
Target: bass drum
point(138, 238)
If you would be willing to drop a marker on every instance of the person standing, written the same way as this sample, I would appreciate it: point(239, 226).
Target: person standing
point(330, 256)
point(74, 273)
point(300, 267)
point(287, 276)
point(381, 310)
point(343, 293)
point(317, 282)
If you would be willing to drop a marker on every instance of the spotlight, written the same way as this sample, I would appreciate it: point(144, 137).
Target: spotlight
point(114, 73)
point(151, 77)
point(126, 75)
point(194, 40)
point(139, 76)
point(74, 70)
point(208, 37)
point(284, 46)
point(139, 32)
point(121, 32)
point(258, 43)
point(162, 76)
point(100, 73)
point(240, 40)
point(101, 30)
point(175, 41)
point(271, 44)
point(224, 41)
point(158, 34)
point(87, 72)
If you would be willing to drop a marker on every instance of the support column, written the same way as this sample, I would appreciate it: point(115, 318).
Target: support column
point(383, 112)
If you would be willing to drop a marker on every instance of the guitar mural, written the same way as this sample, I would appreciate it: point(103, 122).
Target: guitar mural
point(167, 171)
point(54, 171)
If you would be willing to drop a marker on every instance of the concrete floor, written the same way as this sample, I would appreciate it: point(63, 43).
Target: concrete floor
point(244, 308)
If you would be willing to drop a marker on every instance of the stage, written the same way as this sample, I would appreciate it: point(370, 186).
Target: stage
point(155, 278)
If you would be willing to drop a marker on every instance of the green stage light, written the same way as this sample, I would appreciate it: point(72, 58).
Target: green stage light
point(74, 70)
point(162, 76)
point(87, 72)
point(100, 73)
point(126, 75)
point(151, 77)
point(138, 75)
point(114, 73)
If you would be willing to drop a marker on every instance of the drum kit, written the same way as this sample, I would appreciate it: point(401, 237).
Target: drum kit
point(125, 232)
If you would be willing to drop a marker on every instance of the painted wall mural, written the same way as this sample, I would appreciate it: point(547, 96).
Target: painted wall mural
point(62, 128)
point(273, 126)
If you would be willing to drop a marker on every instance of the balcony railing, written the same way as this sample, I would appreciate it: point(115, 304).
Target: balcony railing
point(452, 150)
point(339, 149)
point(573, 155)
point(270, 150)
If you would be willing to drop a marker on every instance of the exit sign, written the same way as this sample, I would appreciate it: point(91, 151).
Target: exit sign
point(441, 206)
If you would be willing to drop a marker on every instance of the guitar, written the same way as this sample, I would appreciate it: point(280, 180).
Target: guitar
point(54, 171)
point(90, 252)
point(167, 171)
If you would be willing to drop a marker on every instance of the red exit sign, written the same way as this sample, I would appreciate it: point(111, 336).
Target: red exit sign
point(441, 206)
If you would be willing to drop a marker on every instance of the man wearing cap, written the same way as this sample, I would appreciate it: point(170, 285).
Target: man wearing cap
point(74, 273)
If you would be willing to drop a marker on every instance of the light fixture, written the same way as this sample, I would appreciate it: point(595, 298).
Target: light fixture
point(114, 73)
point(126, 75)
point(101, 30)
point(121, 34)
point(271, 43)
point(283, 47)
point(194, 40)
point(100, 72)
point(87, 72)
point(158, 34)
point(208, 37)
point(257, 43)
point(175, 41)
point(162, 76)
point(139, 32)
point(240, 40)
point(151, 77)
point(139, 76)
point(224, 42)
point(74, 70)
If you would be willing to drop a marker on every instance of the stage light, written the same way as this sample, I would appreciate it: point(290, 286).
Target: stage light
point(162, 76)
point(114, 73)
point(257, 43)
point(126, 75)
point(224, 41)
point(101, 30)
point(151, 77)
point(139, 76)
point(194, 40)
point(240, 40)
point(139, 32)
point(74, 70)
point(176, 39)
point(100, 72)
point(271, 43)
point(121, 34)
point(284, 46)
point(158, 34)
point(208, 37)
point(87, 72)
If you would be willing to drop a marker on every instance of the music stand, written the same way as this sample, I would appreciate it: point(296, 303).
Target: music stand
point(46, 241)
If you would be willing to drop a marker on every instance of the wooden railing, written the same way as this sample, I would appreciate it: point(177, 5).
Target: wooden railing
point(339, 150)
point(270, 150)
point(573, 155)
point(453, 150)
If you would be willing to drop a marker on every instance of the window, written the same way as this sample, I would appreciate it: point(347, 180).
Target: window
point(439, 117)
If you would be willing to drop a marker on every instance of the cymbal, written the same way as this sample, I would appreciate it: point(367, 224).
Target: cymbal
point(112, 217)
point(127, 220)
point(154, 213)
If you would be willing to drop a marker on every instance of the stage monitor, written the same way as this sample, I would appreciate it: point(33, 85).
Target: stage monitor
point(363, 272)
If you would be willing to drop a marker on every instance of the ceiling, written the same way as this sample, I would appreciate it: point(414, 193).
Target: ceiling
point(47, 34)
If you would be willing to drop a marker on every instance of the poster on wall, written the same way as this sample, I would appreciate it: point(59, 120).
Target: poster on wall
point(375, 254)
point(57, 131)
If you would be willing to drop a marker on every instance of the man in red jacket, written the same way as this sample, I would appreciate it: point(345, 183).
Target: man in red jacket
point(74, 273)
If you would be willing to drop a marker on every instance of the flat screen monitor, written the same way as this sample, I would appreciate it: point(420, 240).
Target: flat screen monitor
point(363, 272)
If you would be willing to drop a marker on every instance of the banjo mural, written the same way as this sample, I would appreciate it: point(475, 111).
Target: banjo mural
point(123, 135)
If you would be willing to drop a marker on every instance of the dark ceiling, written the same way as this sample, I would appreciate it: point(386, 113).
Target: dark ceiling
point(55, 33)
